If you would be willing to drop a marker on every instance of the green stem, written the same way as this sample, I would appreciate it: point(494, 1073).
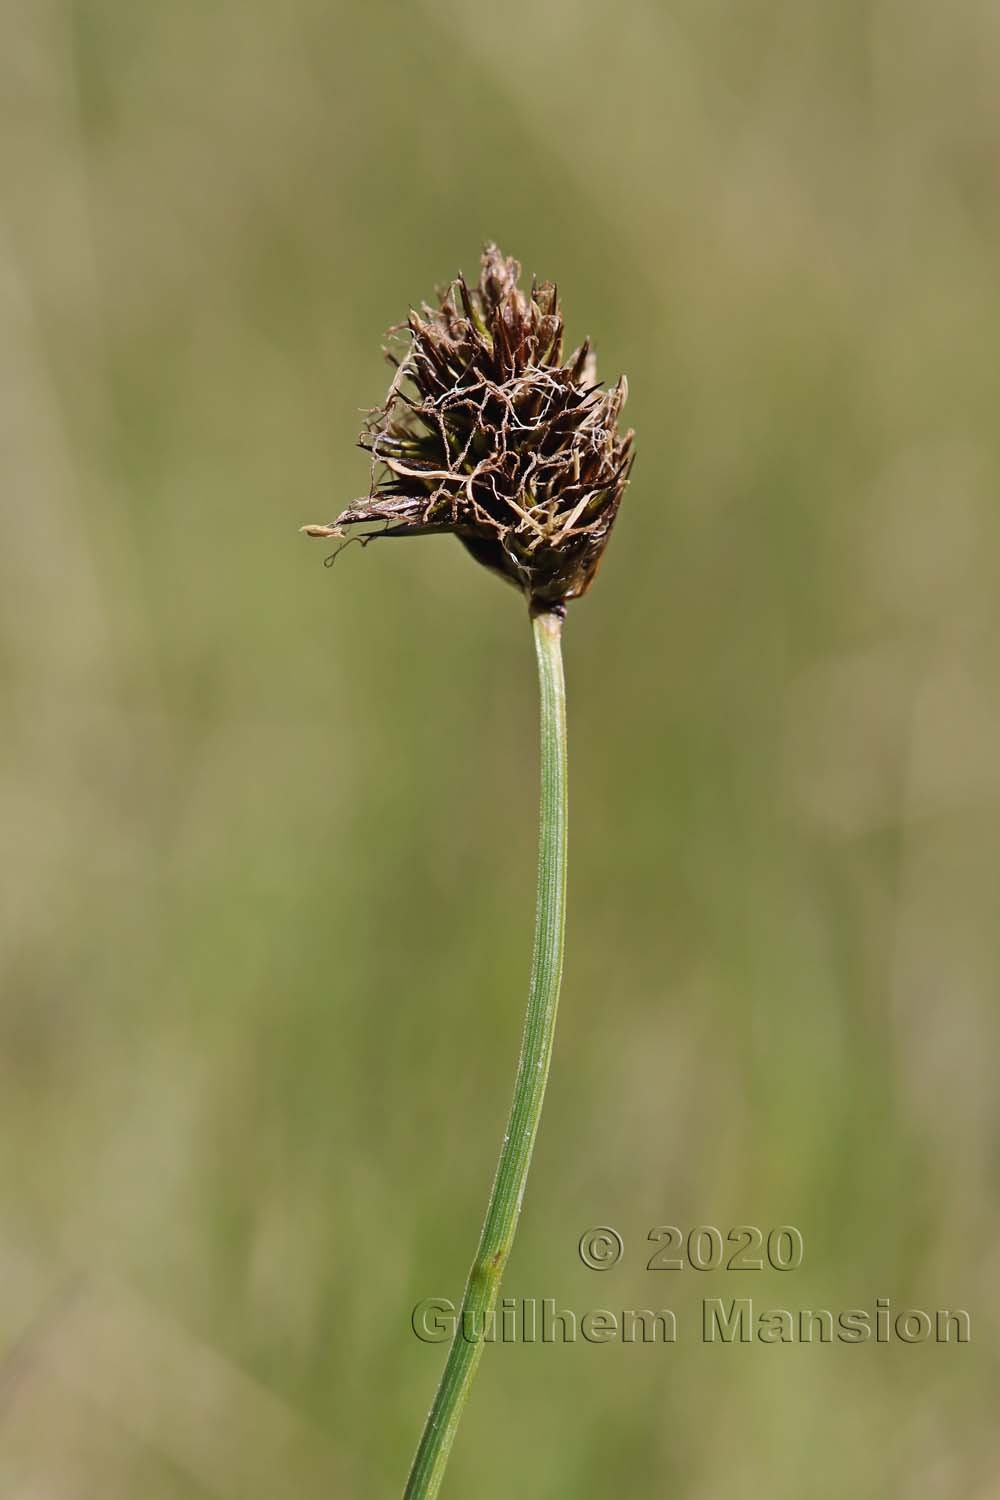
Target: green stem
point(497, 1237)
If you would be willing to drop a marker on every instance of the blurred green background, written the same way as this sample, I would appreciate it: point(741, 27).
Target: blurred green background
point(270, 829)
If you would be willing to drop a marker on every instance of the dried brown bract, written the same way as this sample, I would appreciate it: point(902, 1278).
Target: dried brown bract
point(488, 433)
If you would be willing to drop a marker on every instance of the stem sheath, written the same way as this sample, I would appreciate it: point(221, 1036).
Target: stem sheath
point(500, 1225)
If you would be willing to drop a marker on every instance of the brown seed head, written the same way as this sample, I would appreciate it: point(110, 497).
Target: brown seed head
point(488, 433)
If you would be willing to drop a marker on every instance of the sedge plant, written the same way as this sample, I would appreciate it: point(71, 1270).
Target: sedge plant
point(490, 433)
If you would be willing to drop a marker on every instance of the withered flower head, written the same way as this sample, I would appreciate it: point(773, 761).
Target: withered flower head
point(487, 432)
